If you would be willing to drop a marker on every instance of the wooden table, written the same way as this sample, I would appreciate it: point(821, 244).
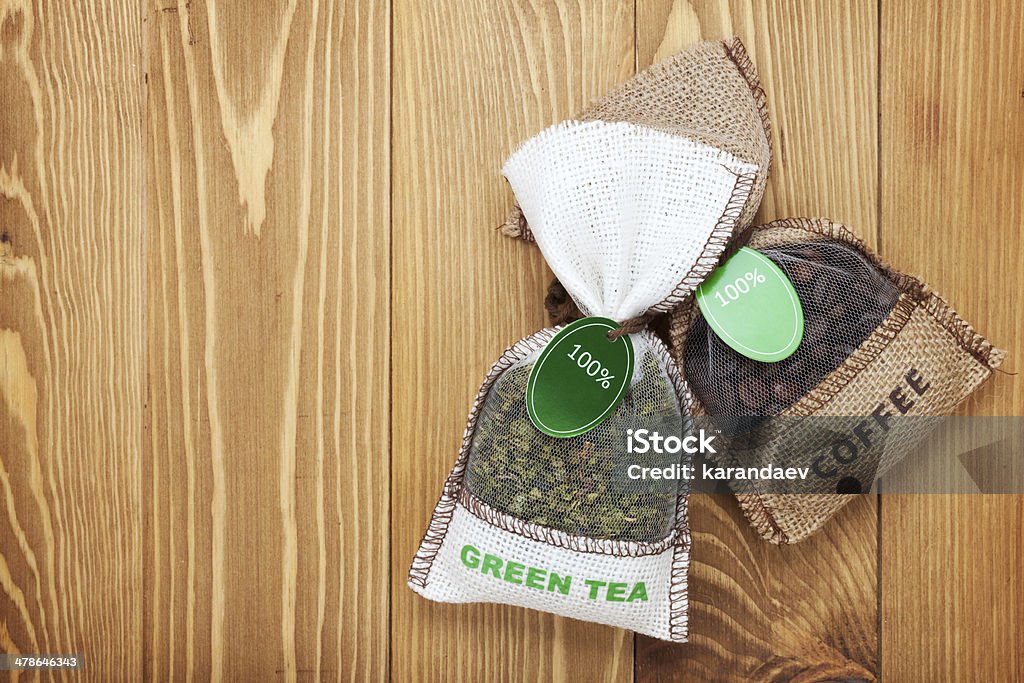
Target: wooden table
point(250, 281)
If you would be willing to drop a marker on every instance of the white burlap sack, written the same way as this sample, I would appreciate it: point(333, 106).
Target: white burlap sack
point(630, 219)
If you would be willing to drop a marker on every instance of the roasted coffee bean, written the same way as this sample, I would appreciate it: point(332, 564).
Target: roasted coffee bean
point(823, 294)
point(816, 330)
point(843, 350)
point(753, 393)
point(811, 254)
point(785, 392)
point(871, 317)
point(862, 294)
point(801, 272)
point(839, 312)
point(823, 358)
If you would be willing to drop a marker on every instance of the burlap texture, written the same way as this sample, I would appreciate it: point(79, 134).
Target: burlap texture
point(709, 93)
point(921, 334)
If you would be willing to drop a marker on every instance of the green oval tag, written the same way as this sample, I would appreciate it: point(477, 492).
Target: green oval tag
point(579, 378)
point(751, 305)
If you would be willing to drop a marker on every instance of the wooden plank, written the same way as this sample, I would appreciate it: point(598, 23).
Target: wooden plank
point(808, 611)
point(472, 79)
point(71, 330)
point(266, 478)
point(952, 210)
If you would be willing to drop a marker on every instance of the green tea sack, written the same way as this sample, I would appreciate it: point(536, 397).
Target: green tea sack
point(630, 219)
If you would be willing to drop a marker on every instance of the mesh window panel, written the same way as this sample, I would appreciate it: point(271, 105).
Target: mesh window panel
point(578, 485)
point(844, 299)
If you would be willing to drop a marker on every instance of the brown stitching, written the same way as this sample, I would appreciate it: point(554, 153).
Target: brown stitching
point(833, 384)
point(562, 310)
point(736, 52)
point(969, 340)
point(430, 545)
point(715, 246)
point(678, 592)
point(762, 519)
point(441, 517)
point(561, 539)
point(679, 539)
point(517, 226)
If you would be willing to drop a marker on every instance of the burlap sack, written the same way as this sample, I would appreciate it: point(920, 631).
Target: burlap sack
point(709, 93)
point(879, 348)
point(630, 219)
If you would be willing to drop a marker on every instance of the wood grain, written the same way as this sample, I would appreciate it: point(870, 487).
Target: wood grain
point(250, 282)
point(808, 611)
point(266, 468)
point(952, 143)
point(71, 332)
point(472, 79)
